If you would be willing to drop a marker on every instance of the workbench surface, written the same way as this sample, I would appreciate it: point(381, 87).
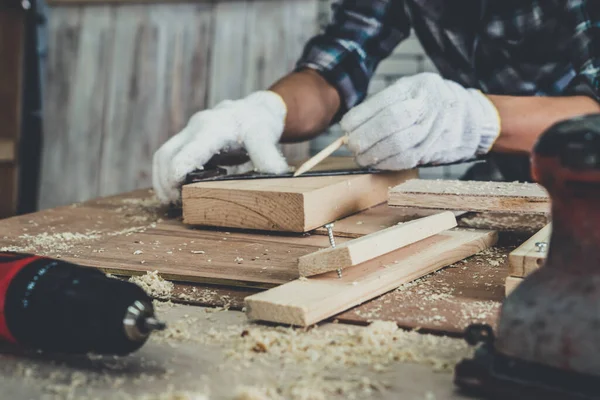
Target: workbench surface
point(214, 351)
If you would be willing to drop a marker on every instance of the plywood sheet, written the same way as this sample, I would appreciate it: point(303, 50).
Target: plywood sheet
point(288, 204)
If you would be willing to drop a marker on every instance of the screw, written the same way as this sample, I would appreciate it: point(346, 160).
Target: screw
point(329, 228)
point(541, 246)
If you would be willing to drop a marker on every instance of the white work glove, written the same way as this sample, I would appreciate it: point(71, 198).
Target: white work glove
point(255, 123)
point(419, 120)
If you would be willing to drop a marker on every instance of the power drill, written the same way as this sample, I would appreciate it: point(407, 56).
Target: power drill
point(56, 306)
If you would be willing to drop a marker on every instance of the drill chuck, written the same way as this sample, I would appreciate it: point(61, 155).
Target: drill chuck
point(58, 306)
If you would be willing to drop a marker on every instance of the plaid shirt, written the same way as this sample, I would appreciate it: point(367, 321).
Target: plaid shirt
point(511, 47)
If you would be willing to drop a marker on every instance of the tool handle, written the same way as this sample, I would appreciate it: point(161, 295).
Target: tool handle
point(10, 265)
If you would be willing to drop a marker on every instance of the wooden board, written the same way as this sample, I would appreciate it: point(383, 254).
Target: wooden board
point(527, 258)
point(288, 204)
point(505, 197)
point(375, 219)
point(511, 283)
point(310, 300)
point(376, 244)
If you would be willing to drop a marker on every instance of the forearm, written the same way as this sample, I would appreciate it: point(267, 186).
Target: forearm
point(523, 119)
point(311, 104)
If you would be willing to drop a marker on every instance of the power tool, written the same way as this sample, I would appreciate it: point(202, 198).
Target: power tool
point(547, 344)
point(59, 307)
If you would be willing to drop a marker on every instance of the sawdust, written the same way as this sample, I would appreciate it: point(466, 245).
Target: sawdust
point(154, 285)
point(523, 223)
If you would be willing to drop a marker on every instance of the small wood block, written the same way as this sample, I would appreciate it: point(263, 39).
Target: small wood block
point(505, 197)
point(307, 301)
point(376, 244)
point(511, 283)
point(7, 150)
point(287, 204)
point(527, 258)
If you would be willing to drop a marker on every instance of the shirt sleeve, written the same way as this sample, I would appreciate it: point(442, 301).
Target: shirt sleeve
point(585, 49)
point(360, 35)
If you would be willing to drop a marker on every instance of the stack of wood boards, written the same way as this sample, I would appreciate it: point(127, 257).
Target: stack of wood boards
point(528, 257)
point(504, 197)
point(406, 252)
point(296, 204)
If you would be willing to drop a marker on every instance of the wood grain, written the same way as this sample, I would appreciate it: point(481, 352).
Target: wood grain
point(374, 245)
point(287, 204)
point(506, 197)
point(527, 258)
point(310, 300)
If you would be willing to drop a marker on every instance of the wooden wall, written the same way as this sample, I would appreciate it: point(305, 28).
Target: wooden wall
point(122, 78)
point(12, 44)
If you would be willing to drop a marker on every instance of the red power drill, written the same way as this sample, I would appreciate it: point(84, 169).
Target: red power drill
point(57, 306)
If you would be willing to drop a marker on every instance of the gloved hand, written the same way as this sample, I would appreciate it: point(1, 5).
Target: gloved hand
point(255, 123)
point(419, 120)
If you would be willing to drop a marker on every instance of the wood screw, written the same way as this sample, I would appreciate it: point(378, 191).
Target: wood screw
point(541, 246)
point(329, 228)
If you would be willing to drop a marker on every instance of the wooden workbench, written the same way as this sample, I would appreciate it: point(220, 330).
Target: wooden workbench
point(132, 232)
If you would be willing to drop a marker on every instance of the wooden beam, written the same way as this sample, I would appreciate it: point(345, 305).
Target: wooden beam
point(307, 301)
point(527, 258)
point(376, 244)
point(511, 283)
point(505, 197)
point(287, 204)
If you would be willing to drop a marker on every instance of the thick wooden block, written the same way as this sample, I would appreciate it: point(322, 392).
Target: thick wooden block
point(307, 301)
point(505, 197)
point(528, 257)
point(287, 204)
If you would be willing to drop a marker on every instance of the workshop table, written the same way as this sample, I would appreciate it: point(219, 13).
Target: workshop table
point(211, 350)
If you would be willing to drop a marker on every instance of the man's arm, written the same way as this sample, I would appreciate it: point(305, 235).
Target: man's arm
point(524, 119)
point(311, 103)
point(336, 66)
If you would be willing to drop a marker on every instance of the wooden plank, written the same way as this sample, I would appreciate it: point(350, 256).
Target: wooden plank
point(158, 78)
point(527, 258)
point(507, 197)
point(376, 244)
point(307, 301)
point(511, 283)
point(377, 218)
point(81, 41)
point(287, 204)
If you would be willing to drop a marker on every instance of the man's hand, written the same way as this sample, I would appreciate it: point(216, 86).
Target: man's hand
point(418, 120)
point(254, 123)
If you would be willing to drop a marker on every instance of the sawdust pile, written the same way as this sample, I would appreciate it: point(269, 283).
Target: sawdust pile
point(154, 285)
point(329, 361)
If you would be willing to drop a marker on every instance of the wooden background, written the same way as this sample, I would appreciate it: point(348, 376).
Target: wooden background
point(122, 78)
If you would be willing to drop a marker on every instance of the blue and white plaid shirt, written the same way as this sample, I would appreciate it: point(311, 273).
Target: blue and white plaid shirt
point(510, 47)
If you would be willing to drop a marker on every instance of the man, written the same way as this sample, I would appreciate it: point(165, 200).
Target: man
point(537, 62)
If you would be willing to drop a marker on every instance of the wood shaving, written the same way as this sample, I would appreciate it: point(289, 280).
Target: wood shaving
point(154, 285)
